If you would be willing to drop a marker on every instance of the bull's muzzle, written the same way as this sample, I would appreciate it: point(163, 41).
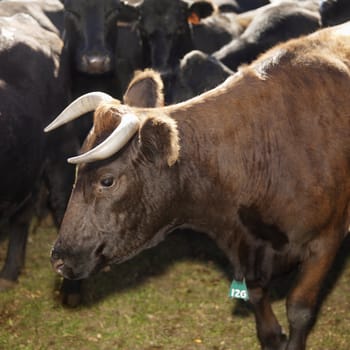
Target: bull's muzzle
point(57, 261)
point(78, 264)
point(96, 64)
point(59, 265)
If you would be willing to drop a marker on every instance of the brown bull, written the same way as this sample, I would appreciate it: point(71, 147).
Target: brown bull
point(261, 164)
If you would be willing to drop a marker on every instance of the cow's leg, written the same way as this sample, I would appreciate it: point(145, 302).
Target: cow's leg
point(303, 299)
point(269, 330)
point(16, 250)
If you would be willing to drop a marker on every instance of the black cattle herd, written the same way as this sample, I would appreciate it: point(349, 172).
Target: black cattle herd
point(53, 51)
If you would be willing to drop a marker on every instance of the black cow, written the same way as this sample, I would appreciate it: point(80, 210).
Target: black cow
point(172, 28)
point(91, 39)
point(33, 88)
point(88, 28)
point(271, 24)
point(165, 30)
point(129, 55)
point(103, 47)
point(334, 11)
point(212, 33)
point(198, 72)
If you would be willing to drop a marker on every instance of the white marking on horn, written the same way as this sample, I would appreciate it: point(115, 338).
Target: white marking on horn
point(84, 104)
point(128, 126)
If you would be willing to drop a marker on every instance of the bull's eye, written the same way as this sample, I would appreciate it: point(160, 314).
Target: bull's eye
point(107, 181)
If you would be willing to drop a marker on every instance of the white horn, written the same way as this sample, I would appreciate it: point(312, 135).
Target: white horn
point(84, 104)
point(128, 126)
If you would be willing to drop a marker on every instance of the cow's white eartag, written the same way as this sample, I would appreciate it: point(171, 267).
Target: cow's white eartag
point(239, 290)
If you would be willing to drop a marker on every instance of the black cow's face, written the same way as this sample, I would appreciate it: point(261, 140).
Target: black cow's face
point(165, 30)
point(90, 30)
point(161, 24)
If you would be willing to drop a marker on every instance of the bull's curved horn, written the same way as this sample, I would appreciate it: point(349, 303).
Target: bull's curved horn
point(84, 104)
point(128, 126)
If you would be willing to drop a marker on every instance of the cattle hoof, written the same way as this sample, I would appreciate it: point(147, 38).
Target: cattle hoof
point(283, 342)
point(279, 343)
point(6, 284)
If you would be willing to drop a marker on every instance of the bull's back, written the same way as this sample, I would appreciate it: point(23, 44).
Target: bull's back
point(280, 127)
point(305, 129)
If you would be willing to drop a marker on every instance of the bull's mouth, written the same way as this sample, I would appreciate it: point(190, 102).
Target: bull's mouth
point(58, 266)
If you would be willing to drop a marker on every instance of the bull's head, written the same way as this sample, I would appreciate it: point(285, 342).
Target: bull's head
point(91, 32)
point(112, 213)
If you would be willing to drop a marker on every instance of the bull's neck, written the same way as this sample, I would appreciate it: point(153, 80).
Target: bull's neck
point(219, 153)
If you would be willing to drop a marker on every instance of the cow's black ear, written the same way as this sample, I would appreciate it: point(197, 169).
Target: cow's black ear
point(199, 10)
point(159, 141)
point(145, 90)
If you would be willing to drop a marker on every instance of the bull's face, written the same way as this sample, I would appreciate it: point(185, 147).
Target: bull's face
point(91, 33)
point(123, 204)
point(103, 222)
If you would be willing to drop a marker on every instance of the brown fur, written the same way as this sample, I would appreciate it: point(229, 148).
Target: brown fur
point(261, 164)
point(145, 90)
point(163, 133)
point(106, 118)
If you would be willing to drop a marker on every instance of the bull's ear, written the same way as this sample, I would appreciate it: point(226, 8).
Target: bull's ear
point(159, 140)
point(200, 9)
point(145, 90)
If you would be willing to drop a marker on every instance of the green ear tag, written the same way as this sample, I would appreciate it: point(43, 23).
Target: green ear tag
point(239, 290)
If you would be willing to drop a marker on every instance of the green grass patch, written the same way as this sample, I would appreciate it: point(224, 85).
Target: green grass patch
point(173, 297)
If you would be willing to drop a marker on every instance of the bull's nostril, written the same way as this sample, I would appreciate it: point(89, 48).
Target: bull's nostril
point(58, 265)
point(96, 64)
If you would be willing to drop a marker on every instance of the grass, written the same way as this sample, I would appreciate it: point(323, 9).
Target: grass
point(173, 297)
